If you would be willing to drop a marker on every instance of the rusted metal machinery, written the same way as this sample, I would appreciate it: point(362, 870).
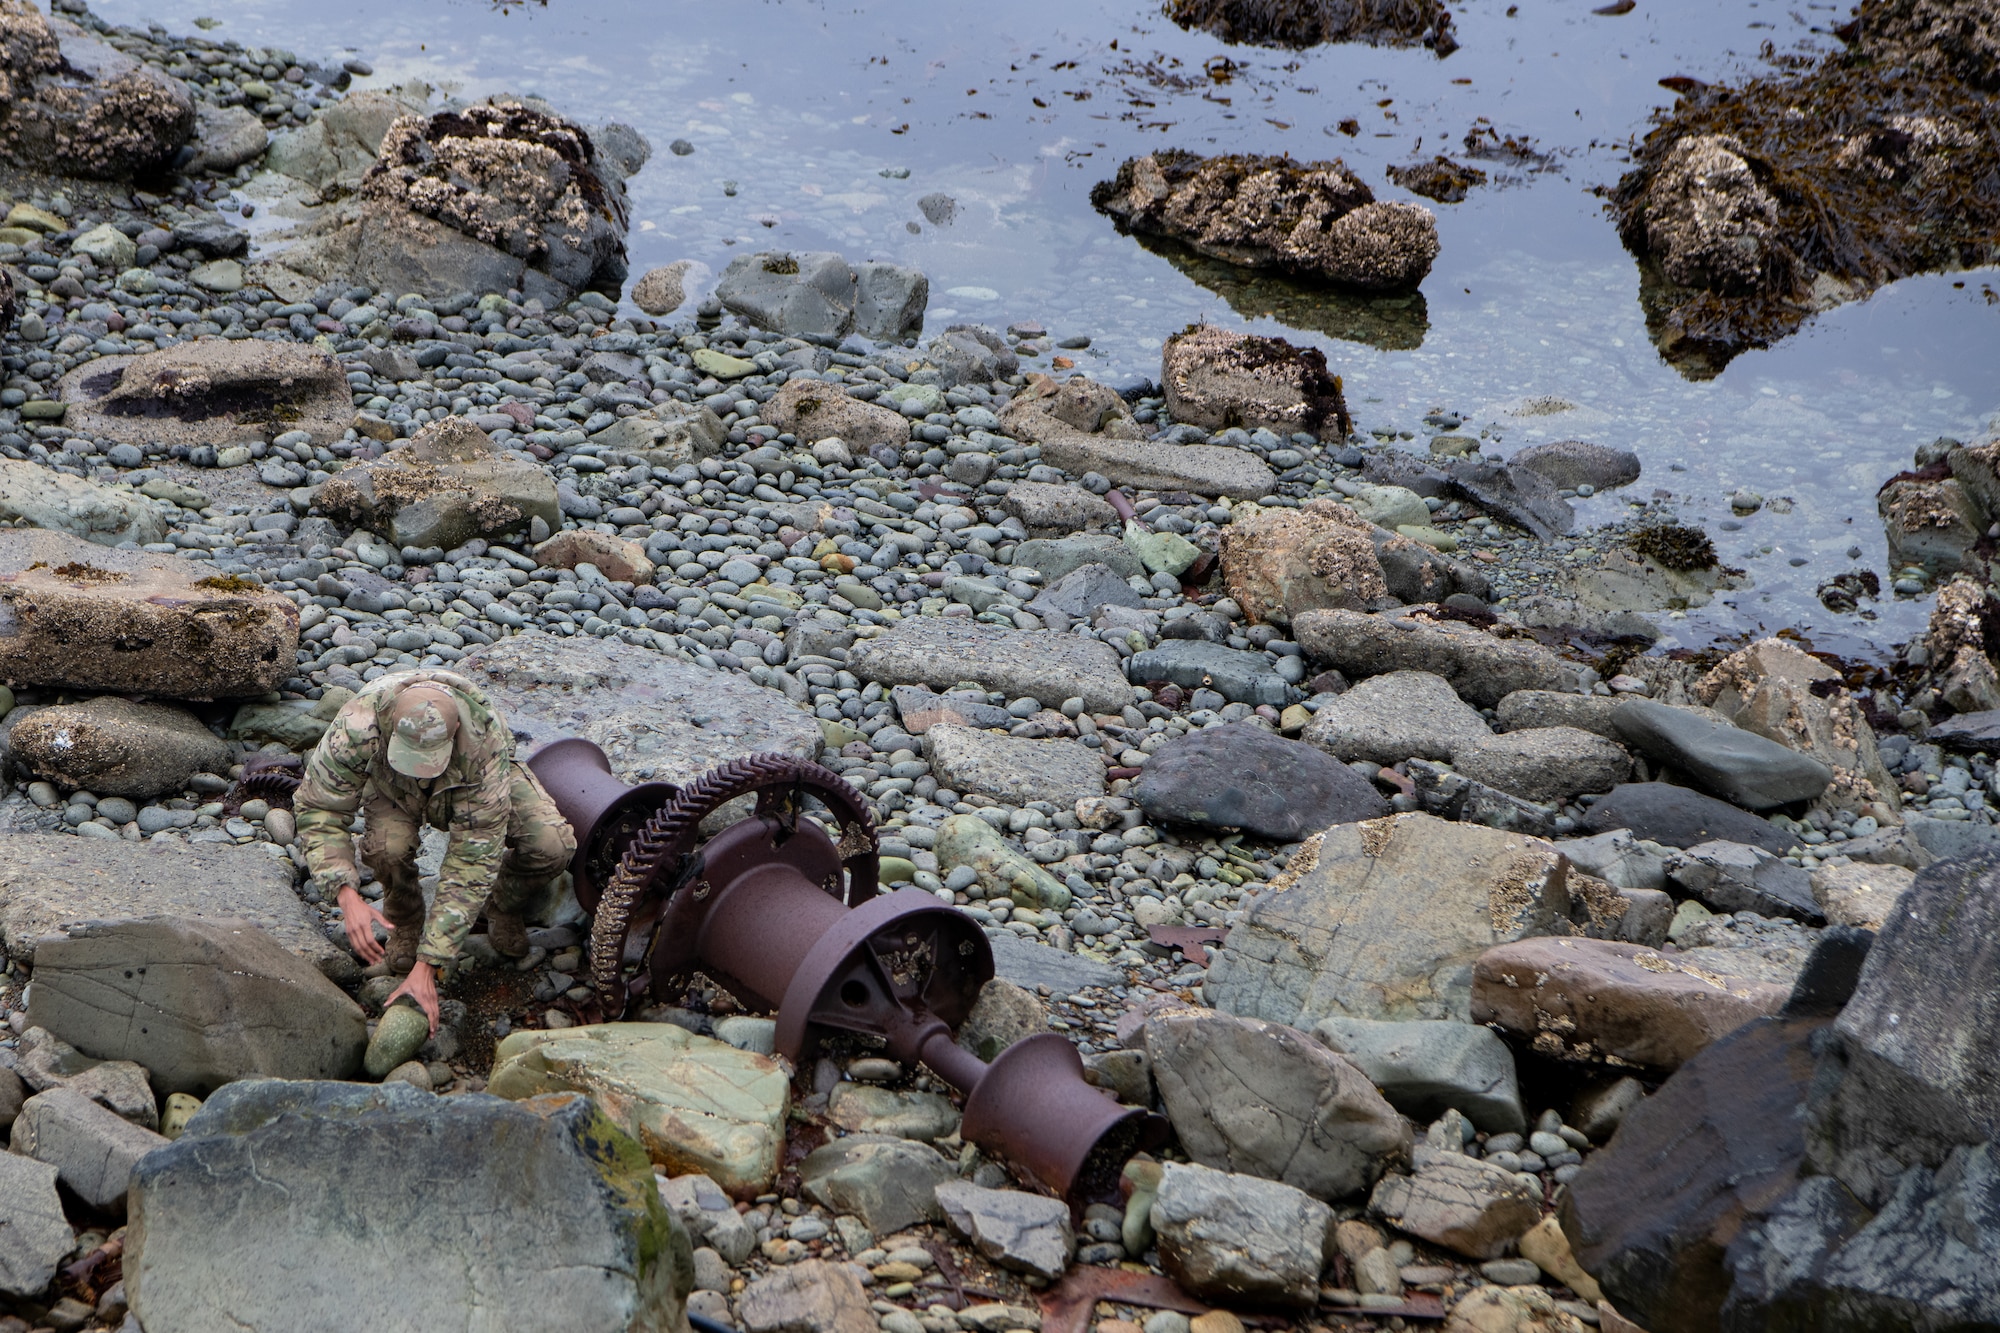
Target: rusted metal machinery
point(784, 918)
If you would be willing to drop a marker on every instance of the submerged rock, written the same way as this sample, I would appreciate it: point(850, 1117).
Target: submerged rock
point(1308, 218)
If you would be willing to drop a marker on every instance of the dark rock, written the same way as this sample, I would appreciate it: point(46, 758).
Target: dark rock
point(1308, 218)
point(1738, 877)
point(262, 1190)
point(1831, 973)
point(1441, 179)
point(1652, 1212)
point(1522, 497)
point(1737, 765)
point(1968, 732)
point(1246, 777)
point(1239, 676)
point(1929, 1261)
point(1679, 817)
point(1914, 1071)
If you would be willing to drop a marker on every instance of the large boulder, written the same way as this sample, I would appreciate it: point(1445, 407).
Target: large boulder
point(1482, 667)
point(80, 616)
point(1278, 563)
point(1233, 1238)
point(1312, 219)
point(1267, 1100)
point(212, 391)
point(77, 106)
point(1651, 1214)
point(1215, 378)
point(1911, 1074)
point(1552, 765)
point(114, 747)
point(51, 883)
point(447, 487)
point(498, 195)
point(1245, 776)
point(199, 1003)
point(656, 718)
point(1047, 667)
point(1777, 691)
point(1604, 1001)
point(695, 1104)
point(818, 292)
point(1385, 919)
point(106, 515)
point(480, 1213)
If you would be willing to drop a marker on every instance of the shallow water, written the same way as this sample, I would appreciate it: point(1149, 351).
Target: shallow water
point(1015, 111)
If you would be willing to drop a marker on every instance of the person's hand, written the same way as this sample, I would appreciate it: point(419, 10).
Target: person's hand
point(361, 917)
point(421, 986)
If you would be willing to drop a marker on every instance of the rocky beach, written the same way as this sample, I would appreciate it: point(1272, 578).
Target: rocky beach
point(1504, 923)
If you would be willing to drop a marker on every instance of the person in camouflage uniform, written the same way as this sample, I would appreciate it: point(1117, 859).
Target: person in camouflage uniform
point(421, 747)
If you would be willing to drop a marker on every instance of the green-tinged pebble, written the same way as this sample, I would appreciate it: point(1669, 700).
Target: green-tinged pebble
point(402, 1030)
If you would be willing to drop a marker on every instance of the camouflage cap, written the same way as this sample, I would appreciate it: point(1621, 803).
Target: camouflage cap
point(424, 723)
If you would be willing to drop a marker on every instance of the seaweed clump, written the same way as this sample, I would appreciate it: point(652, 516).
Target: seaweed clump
point(1674, 546)
point(1302, 23)
point(1440, 178)
point(1756, 206)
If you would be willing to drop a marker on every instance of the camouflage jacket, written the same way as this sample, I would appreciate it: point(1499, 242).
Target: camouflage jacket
point(469, 800)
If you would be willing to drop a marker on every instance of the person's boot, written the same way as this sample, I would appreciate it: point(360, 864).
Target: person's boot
point(401, 954)
point(507, 933)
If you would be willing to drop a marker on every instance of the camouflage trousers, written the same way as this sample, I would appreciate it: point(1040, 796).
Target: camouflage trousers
point(539, 847)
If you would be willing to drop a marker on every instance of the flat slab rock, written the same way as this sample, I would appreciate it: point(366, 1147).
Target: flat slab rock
point(85, 617)
point(1239, 676)
point(50, 881)
point(212, 391)
point(1049, 668)
point(1483, 668)
point(1385, 920)
point(1244, 776)
point(1738, 766)
point(458, 1193)
point(199, 1002)
point(656, 718)
point(1600, 1000)
point(1011, 769)
point(1680, 817)
point(1202, 469)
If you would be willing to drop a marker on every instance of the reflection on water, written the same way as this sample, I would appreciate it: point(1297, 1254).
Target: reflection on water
point(1392, 322)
